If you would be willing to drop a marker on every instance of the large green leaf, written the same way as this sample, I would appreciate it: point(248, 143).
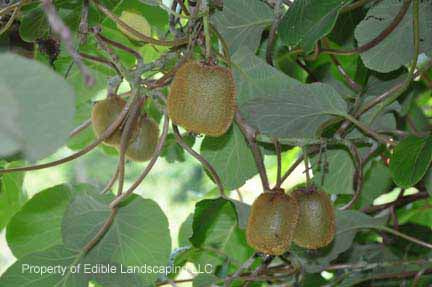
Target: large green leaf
point(307, 21)
point(231, 157)
point(348, 223)
point(61, 266)
point(242, 22)
point(139, 235)
point(37, 226)
point(396, 49)
point(410, 160)
point(420, 212)
point(12, 195)
point(36, 108)
point(280, 106)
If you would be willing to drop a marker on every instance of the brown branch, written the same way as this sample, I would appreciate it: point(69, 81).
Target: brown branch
point(355, 5)
point(200, 158)
point(100, 60)
point(80, 128)
point(358, 175)
point(131, 120)
point(250, 135)
point(89, 246)
point(397, 203)
point(106, 134)
point(272, 36)
point(183, 7)
point(149, 166)
point(279, 163)
point(353, 84)
point(97, 31)
point(378, 39)
point(139, 35)
point(65, 34)
point(83, 26)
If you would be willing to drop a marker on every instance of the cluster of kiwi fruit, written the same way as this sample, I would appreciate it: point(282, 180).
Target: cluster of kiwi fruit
point(202, 98)
point(145, 131)
point(305, 217)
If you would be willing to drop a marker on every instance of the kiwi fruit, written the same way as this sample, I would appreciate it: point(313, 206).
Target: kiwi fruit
point(202, 98)
point(316, 225)
point(143, 145)
point(137, 22)
point(272, 221)
point(104, 113)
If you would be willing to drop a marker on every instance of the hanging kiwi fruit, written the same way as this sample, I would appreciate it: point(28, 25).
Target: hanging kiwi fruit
point(316, 224)
point(143, 144)
point(272, 221)
point(202, 98)
point(104, 113)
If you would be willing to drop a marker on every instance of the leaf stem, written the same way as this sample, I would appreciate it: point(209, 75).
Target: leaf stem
point(200, 158)
point(148, 168)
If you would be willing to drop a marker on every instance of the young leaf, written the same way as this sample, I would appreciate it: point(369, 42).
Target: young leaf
point(241, 23)
point(410, 160)
point(307, 21)
point(396, 49)
point(38, 105)
point(231, 157)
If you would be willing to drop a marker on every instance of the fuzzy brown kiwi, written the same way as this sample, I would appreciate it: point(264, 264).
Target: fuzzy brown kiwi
point(272, 221)
point(143, 145)
point(316, 225)
point(104, 113)
point(202, 98)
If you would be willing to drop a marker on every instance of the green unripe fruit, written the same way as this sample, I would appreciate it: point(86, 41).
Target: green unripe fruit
point(104, 113)
point(316, 225)
point(135, 21)
point(272, 222)
point(202, 98)
point(144, 143)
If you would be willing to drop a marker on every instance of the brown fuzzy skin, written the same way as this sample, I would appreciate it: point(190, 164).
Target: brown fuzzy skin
point(104, 113)
point(144, 143)
point(272, 222)
point(202, 98)
point(316, 226)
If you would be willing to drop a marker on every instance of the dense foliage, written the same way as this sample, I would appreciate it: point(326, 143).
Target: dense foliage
point(344, 85)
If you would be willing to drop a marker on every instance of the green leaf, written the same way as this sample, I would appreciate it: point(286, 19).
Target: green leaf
point(231, 157)
point(307, 21)
point(37, 226)
point(339, 178)
point(410, 160)
point(420, 212)
point(186, 231)
point(428, 181)
point(34, 25)
point(12, 195)
point(67, 268)
point(280, 106)
point(138, 236)
point(36, 108)
point(242, 22)
point(205, 280)
point(216, 233)
point(377, 181)
point(348, 223)
point(396, 49)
